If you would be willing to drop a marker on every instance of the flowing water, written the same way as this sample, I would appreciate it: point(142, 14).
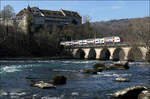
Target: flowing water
point(16, 77)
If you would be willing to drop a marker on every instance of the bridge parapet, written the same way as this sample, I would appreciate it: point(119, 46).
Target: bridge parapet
point(106, 45)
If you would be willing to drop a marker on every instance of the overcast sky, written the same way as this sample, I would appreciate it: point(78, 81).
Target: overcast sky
point(98, 10)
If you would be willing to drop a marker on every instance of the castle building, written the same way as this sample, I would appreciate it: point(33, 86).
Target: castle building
point(48, 17)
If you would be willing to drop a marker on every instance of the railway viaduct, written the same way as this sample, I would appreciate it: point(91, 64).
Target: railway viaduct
point(109, 52)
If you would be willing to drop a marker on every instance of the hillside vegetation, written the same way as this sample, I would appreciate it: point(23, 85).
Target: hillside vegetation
point(130, 30)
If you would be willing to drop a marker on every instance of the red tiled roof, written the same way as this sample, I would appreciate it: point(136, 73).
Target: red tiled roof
point(49, 13)
point(21, 12)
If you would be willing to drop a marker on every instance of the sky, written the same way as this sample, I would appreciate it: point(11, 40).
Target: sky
point(98, 10)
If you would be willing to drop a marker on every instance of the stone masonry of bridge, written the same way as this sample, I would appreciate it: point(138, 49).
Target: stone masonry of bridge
point(111, 51)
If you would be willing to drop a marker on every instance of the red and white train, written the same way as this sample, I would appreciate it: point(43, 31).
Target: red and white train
point(88, 42)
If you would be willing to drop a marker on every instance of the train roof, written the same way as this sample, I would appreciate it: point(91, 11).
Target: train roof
point(111, 36)
point(91, 39)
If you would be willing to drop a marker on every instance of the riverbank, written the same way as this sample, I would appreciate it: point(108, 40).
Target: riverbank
point(37, 58)
point(53, 58)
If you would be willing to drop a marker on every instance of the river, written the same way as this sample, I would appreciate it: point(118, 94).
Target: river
point(15, 85)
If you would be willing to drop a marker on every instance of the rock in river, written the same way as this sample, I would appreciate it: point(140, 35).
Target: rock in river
point(145, 94)
point(59, 79)
point(98, 67)
point(129, 93)
point(122, 79)
point(90, 71)
point(75, 94)
point(118, 66)
point(43, 85)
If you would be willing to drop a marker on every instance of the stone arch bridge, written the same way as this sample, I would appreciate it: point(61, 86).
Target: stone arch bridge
point(109, 52)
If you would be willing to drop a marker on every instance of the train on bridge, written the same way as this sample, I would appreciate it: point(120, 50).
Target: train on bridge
point(89, 42)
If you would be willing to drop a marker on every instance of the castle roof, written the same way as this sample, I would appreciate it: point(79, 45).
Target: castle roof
point(49, 13)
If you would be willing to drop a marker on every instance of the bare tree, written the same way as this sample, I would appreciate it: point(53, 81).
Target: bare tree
point(86, 19)
point(7, 12)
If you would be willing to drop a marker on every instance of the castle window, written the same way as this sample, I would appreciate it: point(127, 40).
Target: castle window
point(74, 22)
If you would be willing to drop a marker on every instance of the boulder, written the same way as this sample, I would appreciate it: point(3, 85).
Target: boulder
point(90, 71)
point(129, 93)
point(122, 79)
point(75, 94)
point(98, 67)
point(145, 94)
point(118, 66)
point(59, 79)
point(43, 85)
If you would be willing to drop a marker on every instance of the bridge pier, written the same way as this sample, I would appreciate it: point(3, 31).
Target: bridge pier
point(74, 51)
point(98, 52)
point(111, 50)
point(126, 51)
point(86, 51)
point(144, 50)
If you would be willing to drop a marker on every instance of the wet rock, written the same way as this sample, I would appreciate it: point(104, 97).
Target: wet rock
point(60, 79)
point(3, 93)
point(90, 71)
point(145, 94)
point(129, 93)
point(75, 94)
point(118, 66)
point(43, 85)
point(98, 67)
point(122, 80)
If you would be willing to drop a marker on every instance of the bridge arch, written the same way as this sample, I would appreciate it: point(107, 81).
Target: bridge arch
point(92, 54)
point(80, 54)
point(135, 54)
point(105, 54)
point(118, 54)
